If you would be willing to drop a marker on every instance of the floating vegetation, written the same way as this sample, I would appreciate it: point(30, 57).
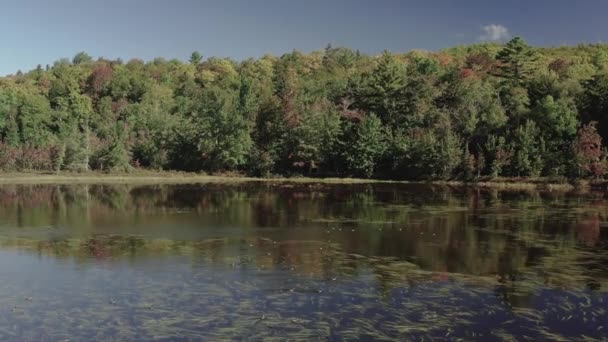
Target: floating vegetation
point(331, 262)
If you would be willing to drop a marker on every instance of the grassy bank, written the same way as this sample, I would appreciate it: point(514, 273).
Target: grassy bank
point(146, 177)
point(168, 177)
point(541, 183)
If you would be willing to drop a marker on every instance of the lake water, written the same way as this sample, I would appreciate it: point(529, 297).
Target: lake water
point(254, 261)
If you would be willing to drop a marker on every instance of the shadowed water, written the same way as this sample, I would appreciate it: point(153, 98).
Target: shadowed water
point(308, 262)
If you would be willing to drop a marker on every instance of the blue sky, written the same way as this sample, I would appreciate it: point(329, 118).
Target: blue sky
point(41, 31)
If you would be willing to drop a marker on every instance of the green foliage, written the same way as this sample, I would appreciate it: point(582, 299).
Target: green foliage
point(8, 117)
point(33, 119)
point(57, 155)
point(528, 150)
point(363, 146)
point(312, 142)
point(76, 153)
point(196, 58)
point(557, 119)
point(517, 61)
point(153, 123)
point(114, 156)
point(82, 58)
point(431, 155)
point(594, 103)
point(269, 139)
point(516, 103)
point(383, 90)
point(499, 155)
point(476, 108)
point(466, 112)
point(217, 131)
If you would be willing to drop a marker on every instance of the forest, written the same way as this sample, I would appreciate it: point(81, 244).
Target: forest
point(483, 110)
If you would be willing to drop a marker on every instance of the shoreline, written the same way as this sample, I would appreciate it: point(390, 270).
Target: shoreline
point(167, 177)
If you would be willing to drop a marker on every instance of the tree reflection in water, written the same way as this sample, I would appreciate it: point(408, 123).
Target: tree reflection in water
point(434, 248)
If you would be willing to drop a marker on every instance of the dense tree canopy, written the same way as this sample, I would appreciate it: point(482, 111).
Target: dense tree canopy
point(469, 111)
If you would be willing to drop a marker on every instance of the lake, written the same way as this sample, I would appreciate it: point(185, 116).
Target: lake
point(254, 261)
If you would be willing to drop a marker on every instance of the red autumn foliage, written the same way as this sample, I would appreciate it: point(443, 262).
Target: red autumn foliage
point(25, 157)
point(8, 156)
point(44, 83)
point(503, 157)
point(481, 62)
point(100, 77)
point(349, 114)
point(119, 106)
point(559, 66)
point(588, 150)
point(288, 98)
point(466, 73)
point(444, 59)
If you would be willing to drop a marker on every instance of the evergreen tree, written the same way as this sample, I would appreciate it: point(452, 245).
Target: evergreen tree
point(517, 61)
point(196, 58)
point(363, 146)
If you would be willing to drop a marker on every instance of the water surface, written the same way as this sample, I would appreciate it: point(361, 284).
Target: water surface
point(306, 261)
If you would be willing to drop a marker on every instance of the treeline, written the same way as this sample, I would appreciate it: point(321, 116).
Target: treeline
point(482, 110)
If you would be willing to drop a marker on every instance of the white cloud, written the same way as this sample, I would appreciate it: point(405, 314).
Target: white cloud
point(494, 32)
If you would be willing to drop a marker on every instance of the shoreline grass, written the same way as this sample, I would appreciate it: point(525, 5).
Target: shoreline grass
point(167, 177)
point(173, 177)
